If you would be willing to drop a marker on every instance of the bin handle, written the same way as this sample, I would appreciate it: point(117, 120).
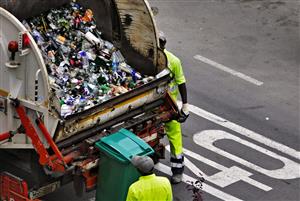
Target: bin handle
point(139, 141)
point(120, 149)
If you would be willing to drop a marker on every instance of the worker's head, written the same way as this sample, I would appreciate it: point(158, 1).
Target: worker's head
point(144, 164)
point(162, 40)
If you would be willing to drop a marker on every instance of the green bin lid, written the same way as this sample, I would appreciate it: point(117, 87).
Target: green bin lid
point(123, 145)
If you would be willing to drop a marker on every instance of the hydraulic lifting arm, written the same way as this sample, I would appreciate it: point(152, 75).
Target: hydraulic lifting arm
point(57, 163)
point(5, 136)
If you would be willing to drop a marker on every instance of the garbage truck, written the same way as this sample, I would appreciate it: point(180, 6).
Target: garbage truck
point(41, 150)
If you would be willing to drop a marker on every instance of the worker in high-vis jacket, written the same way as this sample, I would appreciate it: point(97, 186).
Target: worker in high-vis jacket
point(149, 187)
point(173, 129)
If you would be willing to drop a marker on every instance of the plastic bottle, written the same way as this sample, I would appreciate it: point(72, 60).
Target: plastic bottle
point(51, 56)
point(93, 39)
point(120, 56)
point(77, 22)
point(52, 41)
point(114, 62)
point(125, 67)
point(88, 16)
point(60, 39)
point(84, 59)
point(66, 110)
point(37, 37)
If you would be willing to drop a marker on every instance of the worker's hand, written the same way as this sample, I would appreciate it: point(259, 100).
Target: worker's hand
point(184, 113)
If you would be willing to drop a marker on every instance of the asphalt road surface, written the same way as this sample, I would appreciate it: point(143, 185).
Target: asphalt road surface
point(241, 60)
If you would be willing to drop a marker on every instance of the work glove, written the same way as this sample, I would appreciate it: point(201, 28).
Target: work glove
point(184, 113)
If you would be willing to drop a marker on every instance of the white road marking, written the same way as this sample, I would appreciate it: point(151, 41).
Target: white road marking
point(244, 131)
point(228, 175)
point(228, 70)
point(231, 175)
point(207, 139)
point(206, 188)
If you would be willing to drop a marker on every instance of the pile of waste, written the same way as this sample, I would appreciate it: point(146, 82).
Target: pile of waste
point(84, 70)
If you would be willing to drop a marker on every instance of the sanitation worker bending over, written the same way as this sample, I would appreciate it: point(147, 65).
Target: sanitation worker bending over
point(173, 128)
point(149, 187)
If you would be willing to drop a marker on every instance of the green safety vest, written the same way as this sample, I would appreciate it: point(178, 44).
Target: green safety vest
point(175, 67)
point(150, 188)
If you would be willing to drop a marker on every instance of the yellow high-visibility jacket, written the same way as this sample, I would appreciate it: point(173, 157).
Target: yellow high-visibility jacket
point(175, 67)
point(150, 188)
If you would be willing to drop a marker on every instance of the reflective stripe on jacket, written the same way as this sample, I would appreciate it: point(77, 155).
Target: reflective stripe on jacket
point(150, 188)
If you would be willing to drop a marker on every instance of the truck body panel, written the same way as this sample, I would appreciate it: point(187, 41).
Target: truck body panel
point(129, 25)
point(137, 39)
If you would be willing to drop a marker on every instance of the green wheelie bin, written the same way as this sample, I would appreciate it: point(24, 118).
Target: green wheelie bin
point(116, 173)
